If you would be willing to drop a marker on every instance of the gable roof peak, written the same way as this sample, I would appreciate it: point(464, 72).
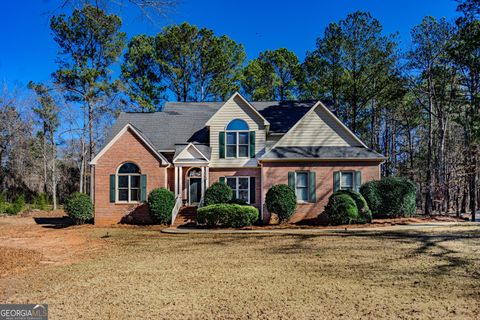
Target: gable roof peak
point(235, 95)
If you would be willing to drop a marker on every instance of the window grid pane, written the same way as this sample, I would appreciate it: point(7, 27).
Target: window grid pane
point(302, 179)
point(231, 138)
point(302, 194)
point(346, 180)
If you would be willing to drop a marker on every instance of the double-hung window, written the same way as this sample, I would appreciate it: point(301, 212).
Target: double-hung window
point(238, 139)
point(128, 182)
point(301, 186)
point(304, 185)
point(346, 180)
point(240, 187)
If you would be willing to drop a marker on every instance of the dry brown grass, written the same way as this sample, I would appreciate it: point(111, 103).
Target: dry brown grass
point(141, 274)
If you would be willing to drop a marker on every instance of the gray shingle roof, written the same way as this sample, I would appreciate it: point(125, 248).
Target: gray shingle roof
point(204, 149)
point(183, 122)
point(279, 153)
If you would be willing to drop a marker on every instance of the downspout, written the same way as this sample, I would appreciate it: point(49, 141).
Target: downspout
point(261, 191)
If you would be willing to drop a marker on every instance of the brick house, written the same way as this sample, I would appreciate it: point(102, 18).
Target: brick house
point(248, 145)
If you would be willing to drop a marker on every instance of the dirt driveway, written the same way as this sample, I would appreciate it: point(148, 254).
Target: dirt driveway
point(126, 273)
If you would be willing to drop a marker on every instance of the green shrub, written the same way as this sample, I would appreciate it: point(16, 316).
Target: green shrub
point(390, 197)
point(3, 203)
point(40, 201)
point(364, 212)
point(17, 206)
point(281, 199)
point(342, 209)
point(160, 204)
point(238, 201)
point(79, 207)
point(218, 192)
point(227, 215)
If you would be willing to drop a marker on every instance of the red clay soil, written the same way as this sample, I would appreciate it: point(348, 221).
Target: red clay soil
point(40, 237)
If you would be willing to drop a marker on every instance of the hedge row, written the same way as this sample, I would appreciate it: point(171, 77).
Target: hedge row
point(227, 215)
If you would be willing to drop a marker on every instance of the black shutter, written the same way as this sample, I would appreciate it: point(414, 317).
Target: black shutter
point(112, 188)
point(221, 144)
point(252, 190)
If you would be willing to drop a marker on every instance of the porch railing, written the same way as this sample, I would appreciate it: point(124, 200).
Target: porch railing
point(176, 208)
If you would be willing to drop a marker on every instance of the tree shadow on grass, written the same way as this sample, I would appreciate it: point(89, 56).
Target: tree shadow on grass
point(423, 244)
point(54, 222)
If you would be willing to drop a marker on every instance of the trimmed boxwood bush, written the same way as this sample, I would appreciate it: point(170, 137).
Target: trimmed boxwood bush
point(79, 207)
point(227, 215)
point(342, 209)
point(281, 199)
point(218, 192)
point(160, 204)
point(390, 197)
point(364, 212)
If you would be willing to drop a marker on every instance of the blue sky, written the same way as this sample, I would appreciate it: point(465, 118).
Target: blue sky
point(28, 51)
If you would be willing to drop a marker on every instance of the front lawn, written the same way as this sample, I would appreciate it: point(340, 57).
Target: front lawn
point(143, 274)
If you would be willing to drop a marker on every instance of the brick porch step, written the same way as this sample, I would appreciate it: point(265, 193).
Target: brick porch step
point(186, 217)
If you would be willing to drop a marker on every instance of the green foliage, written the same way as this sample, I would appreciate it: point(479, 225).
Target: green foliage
point(218, 193)
point(273, 75)
point(40, 201)
point(390, 197)
point(238, 201)
point(197, 64)
point(227, 215)
point(90, 42)
point(160, 204)
point(281, 199)
point(342, 209)
point(3, 203)
point(17, 206)
point(141, 73)
point(364, 212)
point(79, 207)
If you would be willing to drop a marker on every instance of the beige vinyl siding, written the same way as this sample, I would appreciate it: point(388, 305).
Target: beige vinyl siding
point(271, 141)
point(236, 109)
point(318, 128)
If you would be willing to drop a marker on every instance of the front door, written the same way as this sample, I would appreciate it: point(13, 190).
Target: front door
point(194, 190)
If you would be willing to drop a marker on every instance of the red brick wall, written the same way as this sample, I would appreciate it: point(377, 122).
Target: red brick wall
point(216, 173)
point(128, 148)
point(277, 173)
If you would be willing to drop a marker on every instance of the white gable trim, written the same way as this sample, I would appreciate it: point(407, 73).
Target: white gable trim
point(312, 109)
point(118, 135)
point(236, 94)
point(193, 146)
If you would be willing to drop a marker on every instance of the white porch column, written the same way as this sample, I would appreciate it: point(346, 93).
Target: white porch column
point(207, 176)
point(202, 181)
point(180, 182)
point(176, 181)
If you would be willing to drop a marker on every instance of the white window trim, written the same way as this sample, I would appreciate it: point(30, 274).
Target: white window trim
point(117, 175)
point(237, 184)
point(308, 186)
point(237, 144)
point(353, 179)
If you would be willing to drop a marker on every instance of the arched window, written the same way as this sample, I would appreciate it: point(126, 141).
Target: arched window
point(237, 124)
point(238, 139)
point(128, 182)
point(194, 173)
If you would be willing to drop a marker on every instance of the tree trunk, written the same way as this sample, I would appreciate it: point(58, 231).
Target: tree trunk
point(429, 178)
point(54, 173)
